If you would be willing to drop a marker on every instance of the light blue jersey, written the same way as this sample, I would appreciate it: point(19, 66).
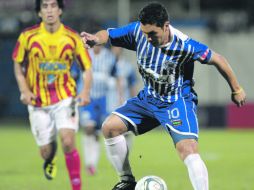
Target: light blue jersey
point(103, 67)
point(127, 71)
point(127, 74)
point(163, 69)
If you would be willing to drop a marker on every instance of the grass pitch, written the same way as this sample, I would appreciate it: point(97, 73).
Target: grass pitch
point(229, 155)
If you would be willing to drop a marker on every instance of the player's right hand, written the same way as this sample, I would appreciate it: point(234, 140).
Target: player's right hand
point(89, 40)
point(240, 98)
point(27, 97)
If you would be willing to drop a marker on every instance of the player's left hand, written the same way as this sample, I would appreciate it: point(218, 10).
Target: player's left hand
point(239, 98)
point(83, 99)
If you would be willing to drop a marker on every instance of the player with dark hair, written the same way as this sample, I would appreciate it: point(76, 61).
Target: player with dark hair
point(43, 56)
point(38, 3)
point(165, 58)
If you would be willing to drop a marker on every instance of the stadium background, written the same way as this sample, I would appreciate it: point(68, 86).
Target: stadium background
point(226, 26)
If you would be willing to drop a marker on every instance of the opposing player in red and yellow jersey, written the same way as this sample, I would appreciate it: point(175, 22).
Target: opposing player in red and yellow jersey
point(43, 57)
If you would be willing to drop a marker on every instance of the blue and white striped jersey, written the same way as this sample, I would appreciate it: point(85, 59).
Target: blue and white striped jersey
point(163, 69)
point(103, 67)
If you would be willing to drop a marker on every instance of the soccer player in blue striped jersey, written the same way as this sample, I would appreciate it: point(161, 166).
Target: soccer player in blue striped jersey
point(165, 58)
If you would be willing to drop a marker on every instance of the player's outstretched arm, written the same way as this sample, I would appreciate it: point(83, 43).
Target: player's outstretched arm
point(26, 96)
point(238, 95)
point(90, 40)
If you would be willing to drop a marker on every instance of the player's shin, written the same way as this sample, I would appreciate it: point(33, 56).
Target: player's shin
point(129, 139)
point(117, 153)
point(197, 172)
point(49, 166)
point(91, 147)
point(73, 165)
point(52, 151)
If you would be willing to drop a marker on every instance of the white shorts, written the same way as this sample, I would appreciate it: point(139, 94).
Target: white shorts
point(46, 121)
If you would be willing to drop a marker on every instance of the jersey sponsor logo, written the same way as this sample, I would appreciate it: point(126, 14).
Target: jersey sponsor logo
point(162, 77)
point(167, 65)
point(162, 82)
point(46, 67)
point(51, 78)
point(52, 70)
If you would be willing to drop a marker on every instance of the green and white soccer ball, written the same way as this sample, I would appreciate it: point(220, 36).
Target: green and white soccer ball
point(151, 183)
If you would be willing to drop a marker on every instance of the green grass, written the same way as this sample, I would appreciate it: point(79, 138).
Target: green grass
point(229, 155)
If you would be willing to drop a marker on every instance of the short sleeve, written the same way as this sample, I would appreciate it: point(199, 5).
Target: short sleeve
point(124, 36)
point(201, 51)
point(18, 54)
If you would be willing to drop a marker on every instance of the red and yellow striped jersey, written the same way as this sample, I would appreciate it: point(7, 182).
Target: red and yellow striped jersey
point(48, 58)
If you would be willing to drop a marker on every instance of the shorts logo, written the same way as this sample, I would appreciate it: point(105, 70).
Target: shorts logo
point(176, 123)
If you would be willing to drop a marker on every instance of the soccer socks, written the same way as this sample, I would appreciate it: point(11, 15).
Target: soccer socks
point(117, 152)
point(197, 172)
point(91, 148)
point(129, 139)
point(73, 165)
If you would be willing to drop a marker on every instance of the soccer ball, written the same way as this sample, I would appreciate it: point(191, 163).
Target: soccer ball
point(151, 183)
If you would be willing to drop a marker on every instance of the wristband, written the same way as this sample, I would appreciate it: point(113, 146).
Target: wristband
point(238, 91)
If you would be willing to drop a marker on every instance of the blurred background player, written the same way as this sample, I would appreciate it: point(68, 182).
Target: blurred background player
point(91, 116)
point(46, 52)
point(126, 73)
point(128, 85)
point(165, 58)
point(118, 86)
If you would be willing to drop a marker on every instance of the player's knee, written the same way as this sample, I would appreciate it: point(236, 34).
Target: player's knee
point(113, 126)
point(110, 130)
point(186, 147)
point(107, 129)
point(67, 144)
point(89, 130)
